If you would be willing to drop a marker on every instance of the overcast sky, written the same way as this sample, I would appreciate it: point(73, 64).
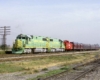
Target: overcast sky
point(73, 20)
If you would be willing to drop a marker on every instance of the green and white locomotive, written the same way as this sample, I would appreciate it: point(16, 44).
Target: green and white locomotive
point(30, 44)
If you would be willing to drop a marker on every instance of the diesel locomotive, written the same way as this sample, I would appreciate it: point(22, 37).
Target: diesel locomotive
point(30, 44)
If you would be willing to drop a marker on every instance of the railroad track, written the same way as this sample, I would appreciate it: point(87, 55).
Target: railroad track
point(87, 71)
point(29, 56)
point(76, 76)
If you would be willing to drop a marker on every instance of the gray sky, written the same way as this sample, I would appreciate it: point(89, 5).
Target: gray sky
point(73, 20)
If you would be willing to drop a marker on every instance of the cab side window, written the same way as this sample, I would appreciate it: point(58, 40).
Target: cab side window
point(44, 39)
point(51, 39)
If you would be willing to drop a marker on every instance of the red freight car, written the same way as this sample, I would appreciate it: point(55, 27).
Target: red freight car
point(75, 45)
point(68, 45)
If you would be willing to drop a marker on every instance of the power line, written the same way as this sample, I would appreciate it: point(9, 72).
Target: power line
point(4, 31)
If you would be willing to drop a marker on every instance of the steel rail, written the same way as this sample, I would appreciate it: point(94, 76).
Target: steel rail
point(74, 67)
point(86, 72)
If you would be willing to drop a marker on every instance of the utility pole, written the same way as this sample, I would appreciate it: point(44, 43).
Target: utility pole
point(4, 31)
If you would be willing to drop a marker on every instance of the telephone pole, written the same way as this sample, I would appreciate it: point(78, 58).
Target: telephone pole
point(4, 31)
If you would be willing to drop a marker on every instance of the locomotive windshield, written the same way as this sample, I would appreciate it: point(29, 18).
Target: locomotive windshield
point(21, 37)
point(24, 37)
point(18, 37)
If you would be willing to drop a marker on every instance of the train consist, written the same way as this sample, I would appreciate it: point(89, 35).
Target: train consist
point(30, 44)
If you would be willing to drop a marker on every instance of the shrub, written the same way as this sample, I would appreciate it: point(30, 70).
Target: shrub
point(2, 52)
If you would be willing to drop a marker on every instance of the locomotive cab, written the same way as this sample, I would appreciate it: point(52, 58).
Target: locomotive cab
point(24, 38)
point(20, 42)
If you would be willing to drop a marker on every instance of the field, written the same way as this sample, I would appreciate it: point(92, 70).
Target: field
point(33, 66)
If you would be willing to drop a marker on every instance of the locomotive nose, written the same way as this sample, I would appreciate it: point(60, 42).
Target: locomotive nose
point(18, 44)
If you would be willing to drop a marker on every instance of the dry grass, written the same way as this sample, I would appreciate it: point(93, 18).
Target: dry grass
point(35, 65)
